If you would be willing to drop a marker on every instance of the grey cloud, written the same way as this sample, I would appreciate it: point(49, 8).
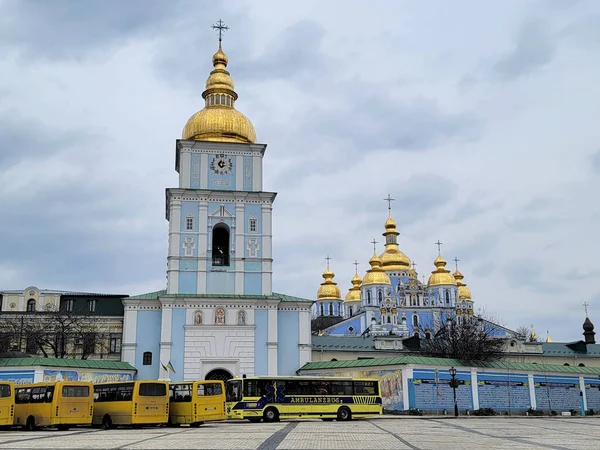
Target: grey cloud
point(595, 161)
point(472, 209)
point(484, 269)
point(585, 33)
point(63, 29)
point(577, 274)
point(528, 273)
point(476, 248)
point(534, 48)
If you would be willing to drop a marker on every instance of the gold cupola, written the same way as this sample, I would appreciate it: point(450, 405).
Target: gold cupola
point(375, 275)
point(353, 294)
point(464, 293)
point(329, 289)
point(219, 121)
point(392, 259)
point(441, 275)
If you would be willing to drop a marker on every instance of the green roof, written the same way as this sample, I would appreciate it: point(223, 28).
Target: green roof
point(274, 296)
point(422, 360)
point(67, 363)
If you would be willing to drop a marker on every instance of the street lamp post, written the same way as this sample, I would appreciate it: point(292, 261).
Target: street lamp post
point(454, 384)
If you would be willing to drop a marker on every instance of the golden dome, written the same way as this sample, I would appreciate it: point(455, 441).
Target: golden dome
point(219, 121)
point(353, 294)
point(375, 275)
point(463, 291)
point(441, 275)
point(329, 289)
point(392, 258)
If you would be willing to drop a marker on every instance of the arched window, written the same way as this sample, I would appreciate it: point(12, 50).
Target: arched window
point(322, 310)
point(331, 309)
point(581, 365)
point(31, 305)
point(447, 296)
point(147, 359)
point(369, 297)
point(212, 99)
point(220, 245)
point(427, 335)
point(350, 311)
point(565, 364)
point(415, 320)
point(389, 319)
point(380, 297)
point(416, 334)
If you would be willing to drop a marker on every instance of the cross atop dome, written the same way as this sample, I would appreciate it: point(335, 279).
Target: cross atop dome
point(389, 199)
point(439, 246)
point(221, 27)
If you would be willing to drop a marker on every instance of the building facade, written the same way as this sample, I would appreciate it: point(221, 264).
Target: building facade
point(62, 324)
point(218, 316)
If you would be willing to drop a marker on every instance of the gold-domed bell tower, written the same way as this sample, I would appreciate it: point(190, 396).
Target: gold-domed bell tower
point(442, 285)
point(376, 286)
point(329, 296)
point(352, 300)
point(393, 260)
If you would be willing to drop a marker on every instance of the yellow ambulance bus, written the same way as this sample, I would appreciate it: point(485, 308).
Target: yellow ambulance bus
point(141, 402)
point(7, 403)
point(196, 402)
point(326, 398)
point(60, 404)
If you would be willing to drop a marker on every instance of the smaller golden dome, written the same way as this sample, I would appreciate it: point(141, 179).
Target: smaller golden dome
point(463, 291)
point(353, 294)
point(329, 289)
point(375, 275)
point(441, 275)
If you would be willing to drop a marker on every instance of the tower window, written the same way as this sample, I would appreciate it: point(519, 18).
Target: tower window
point(31, 305)
point(369, 297)
point(331, 309)
point(252, 225)
point(447, 297)
point(189, 222)
point(220, 245)
point(212, 99)
point(92, 305)
point(147, 359)
point(415, 320)
point(380, 297)
point(350, 311)
point(389, 319)
point(67, 305)
point(322, 309)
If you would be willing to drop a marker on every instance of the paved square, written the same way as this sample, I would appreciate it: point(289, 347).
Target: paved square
point(380, 433)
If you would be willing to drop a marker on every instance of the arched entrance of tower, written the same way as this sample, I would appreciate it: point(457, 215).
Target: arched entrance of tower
point(219, 374)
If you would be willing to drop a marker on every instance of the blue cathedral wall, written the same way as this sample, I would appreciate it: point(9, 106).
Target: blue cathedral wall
point(147, 337)
point(225, 182)
point(248, 173)
point(195, 175)
point(288, 330)
point(188, 276)
point(252, 277)
point(178, 343)
point(260, 342)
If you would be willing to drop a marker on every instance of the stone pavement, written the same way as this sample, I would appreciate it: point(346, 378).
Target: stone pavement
point(380, 433)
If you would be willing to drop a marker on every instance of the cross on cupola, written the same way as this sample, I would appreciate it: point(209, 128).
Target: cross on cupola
point(221, 27)
point(456, 260)
point(389, 199)
point(328, 258)
point(374, 242)
point(585, 307)
point(439, 246)
point(356, 265)
point(413, 264)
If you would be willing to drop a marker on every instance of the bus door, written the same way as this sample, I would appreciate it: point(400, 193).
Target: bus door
point(7, 404)
point(210, 404)
point(152, 400)
point(73, 401)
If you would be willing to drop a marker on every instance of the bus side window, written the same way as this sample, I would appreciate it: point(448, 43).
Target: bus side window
point(37, 394)
point(23, 395)
point(321, 387)
point(201, 390)
point(341, 388)
point(213, 389)
point(49, 394)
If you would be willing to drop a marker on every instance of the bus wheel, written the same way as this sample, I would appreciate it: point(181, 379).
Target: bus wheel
point(271, 415)
point(30, 424)
point(106, 422)
point(344, 413)
point(196, 424)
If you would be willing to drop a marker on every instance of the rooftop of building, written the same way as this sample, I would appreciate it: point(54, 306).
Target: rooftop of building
point(62, 292)
point(274, 296)
point(66, 363)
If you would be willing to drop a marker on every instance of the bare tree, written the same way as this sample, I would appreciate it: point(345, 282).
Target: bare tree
point(522, 332)
point(463, 337)
point(54, 333)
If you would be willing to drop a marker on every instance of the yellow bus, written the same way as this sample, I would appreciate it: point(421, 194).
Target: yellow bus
point(60, 404)
point(196, 402)
point(326, 398)
point(135, 403)
point(7, 403)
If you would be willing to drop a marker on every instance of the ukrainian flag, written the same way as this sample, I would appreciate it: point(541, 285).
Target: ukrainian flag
point(170, 367)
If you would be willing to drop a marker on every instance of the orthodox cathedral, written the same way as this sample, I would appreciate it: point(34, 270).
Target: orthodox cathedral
point(218, 316)
point(390, 300)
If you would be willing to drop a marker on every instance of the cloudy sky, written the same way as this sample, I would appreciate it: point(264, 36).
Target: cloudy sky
point(479, 118)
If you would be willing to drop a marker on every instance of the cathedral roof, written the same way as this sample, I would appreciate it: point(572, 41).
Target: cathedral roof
point(375, 275)
point(463, 291)
point(393, 258)
point(353, 294)
point(329, 289)
point(219, 121)
point(441, 275)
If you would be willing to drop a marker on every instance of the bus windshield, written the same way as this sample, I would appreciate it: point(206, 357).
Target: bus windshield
point(153, 390)
point(233, 391)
